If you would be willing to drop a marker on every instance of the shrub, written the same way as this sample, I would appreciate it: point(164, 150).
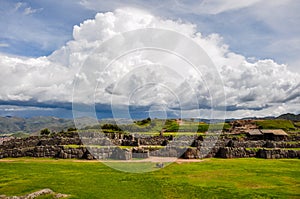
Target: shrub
point(45, 132)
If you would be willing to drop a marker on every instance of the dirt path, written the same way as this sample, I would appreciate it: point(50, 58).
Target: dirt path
point(157, 159)
point(150, 159)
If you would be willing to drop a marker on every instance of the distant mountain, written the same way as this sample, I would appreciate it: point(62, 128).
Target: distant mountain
point(289, 116)
point(10, 124)
point(32, 125)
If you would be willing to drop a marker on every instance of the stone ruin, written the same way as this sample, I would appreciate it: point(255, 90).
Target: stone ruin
point(110, 147)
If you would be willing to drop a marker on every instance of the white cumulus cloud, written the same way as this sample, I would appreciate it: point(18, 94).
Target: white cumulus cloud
point(262, 87)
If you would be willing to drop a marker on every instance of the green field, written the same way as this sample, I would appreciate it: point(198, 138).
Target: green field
point(211, 178)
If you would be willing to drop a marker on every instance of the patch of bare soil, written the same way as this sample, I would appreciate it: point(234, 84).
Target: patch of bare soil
point(150, 159)
point(157, 159)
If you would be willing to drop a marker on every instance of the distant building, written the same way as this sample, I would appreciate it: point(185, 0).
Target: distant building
point(274, 134)
point(179, 121)
point(255, 134)
point(267, 134)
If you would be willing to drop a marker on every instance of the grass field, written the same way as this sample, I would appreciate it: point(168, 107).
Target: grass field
point(211, 178)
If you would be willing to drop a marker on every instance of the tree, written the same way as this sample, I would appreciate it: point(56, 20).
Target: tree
point(72, 129)
point(45, 132)
point(112, 127)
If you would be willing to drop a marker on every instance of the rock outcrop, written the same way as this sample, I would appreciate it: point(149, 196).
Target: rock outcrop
point(37, 194)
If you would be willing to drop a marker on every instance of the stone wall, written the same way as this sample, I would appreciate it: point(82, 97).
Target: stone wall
point(60, 147)
point(277, 153)
point(67, 153)
point(70, 146)
point(262, 143)
point(45, 151)
point(158, 140)
point(239, 152)
point(230, 152)
point(40, 141)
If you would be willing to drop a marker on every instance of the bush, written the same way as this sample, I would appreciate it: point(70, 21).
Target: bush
point(143, 122)
point(112, 127)
point(45, 132)
point(72, 129)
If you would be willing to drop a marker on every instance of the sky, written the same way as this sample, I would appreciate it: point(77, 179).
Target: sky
point(48, 48)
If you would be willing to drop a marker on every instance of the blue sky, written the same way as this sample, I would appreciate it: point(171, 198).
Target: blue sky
point(256, 30)
point(248, 30)
point(46, 26)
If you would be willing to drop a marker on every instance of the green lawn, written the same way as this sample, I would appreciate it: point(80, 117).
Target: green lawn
point(211, 178)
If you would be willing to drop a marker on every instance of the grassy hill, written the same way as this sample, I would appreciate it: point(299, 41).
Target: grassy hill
point(290, 116)
point(275, 124)
point(34, 124)
point(10, 125)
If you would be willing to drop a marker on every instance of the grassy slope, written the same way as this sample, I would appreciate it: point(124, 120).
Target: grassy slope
point(276, 124)
point(212, 178)
point(297, 124)
point(10, 125)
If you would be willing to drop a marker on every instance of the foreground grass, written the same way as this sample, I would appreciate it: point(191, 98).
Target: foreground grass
point(212, 178)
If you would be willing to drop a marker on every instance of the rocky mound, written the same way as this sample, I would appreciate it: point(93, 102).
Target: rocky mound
point(43, 192)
